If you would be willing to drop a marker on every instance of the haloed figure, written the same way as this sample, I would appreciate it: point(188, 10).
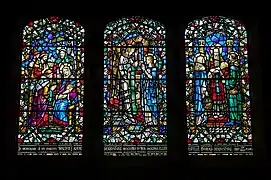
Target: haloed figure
point(40, 65)
point(43, 89)
point(127, 83)
point(66, 98)
point(200, 76)
point(63, 57)
point(150, 88)
point(217, 86)
point(233, 87)
point(200, 82)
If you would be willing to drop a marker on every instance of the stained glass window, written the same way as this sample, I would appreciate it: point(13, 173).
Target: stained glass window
point(135, 105)
point(217, 87)
point(52, 88)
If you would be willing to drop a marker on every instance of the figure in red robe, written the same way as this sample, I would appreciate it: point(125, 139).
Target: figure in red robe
point(39, 65)
point(39, 110)
point(217, 88)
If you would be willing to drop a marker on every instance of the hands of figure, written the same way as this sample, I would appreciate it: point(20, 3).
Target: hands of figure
point(53, 87)
point(143, 67)
point(60, 96)
point(233, 91)
point(45, 67)
point(214, 70)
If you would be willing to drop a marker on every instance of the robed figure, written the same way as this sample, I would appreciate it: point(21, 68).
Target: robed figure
point(149, 80)
point(234, 90)
point(200, 83)
point(217, 87)
point(66, 98)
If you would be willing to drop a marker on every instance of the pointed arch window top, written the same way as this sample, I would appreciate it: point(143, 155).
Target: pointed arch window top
point(53, 31)
point(216, 29)
point(52, 88)
point(117, 33)
point(135, 103)
point(218, 95)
